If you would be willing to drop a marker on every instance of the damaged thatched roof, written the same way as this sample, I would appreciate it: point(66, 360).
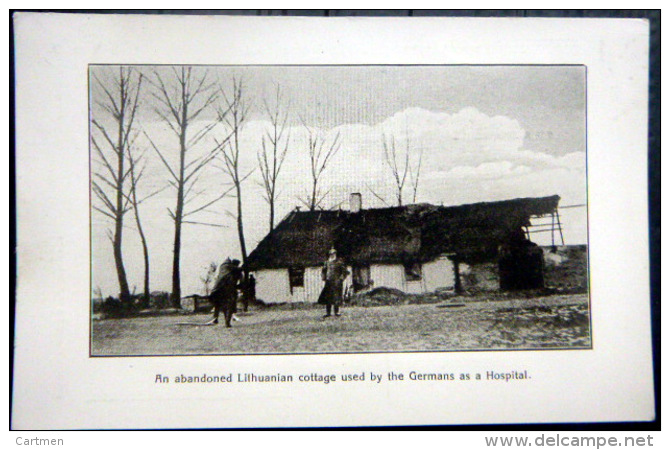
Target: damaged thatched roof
point(399, 234)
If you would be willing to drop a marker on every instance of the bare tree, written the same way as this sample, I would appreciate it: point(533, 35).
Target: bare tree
point(400, 167)
point(398, 170)
point(415, 175)
point(274, 148)
point(135, 177)
point(209, 277)
point(206, 281)
point(232, 113)
point(181, 99)
point(121, 92)
point(320, 154)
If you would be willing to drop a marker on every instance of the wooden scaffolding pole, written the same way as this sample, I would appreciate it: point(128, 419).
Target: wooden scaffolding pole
point(552, 230)
point(560, 228)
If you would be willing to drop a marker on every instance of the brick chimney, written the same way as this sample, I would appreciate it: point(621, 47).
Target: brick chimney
point(355, 202)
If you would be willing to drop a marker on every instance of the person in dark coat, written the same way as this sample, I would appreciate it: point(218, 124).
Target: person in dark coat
point(248, 292)
point(224, 294)
point(333, 273)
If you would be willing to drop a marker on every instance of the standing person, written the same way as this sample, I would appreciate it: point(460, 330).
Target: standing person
point(224, 294)
point(248, 292)
point(333, 273)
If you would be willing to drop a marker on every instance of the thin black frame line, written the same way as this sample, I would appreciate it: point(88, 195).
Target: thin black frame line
point(440, 352)
point(335, 65)
point(589, 302)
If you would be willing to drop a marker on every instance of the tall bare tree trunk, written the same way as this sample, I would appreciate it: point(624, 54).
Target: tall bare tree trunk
point(233, 114)
point(134, 180)
point(240, 225)
point(145, 253)
point(312, 202)
point(275, 144)
point(124, 290)
point(179, 211)
point(118, 229)
point(272, 216)
point(175, 111)
point(120, 102)
point(176, 254)
point(236, 178)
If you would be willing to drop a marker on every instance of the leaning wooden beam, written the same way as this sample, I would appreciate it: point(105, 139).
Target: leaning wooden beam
point(560, 228)
point(552, 229)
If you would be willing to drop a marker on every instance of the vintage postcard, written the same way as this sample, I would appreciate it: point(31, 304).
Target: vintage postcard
point(350, 210)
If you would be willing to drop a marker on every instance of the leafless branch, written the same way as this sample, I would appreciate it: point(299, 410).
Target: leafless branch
point(162, 158)
point(401, 170)
point(154, 193)
point(97, 190)
point(114, 109)
point(201, 134)
point(109, 140)
point(202, 163)
point(224, 194)
point(167, 121)
point(190, 198)
point(205, 105)
point(377, 196)
point(102, 211)
point(164, 98)
point(319, 156)
point(105, 180)
point(205, 224)
point(415, 176)
point(321, 198)
point(104, 159)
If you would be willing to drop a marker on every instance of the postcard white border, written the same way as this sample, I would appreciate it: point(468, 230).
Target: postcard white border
point(57, 385)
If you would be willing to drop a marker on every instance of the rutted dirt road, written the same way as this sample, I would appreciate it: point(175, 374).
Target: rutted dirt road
point(559, 321)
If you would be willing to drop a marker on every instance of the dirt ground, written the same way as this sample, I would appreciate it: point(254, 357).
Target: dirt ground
point(543, 322)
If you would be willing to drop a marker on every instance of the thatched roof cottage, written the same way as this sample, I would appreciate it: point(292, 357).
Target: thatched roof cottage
point(414, 248)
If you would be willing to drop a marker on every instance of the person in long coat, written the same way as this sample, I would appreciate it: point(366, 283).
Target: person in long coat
point(248, 289)
point(224, 294)
point(333, 273)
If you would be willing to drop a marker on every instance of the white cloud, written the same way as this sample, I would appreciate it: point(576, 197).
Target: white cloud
point(468, 157)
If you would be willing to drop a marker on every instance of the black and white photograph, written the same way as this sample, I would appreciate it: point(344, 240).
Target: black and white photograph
point(275, 222)
point(337, 209)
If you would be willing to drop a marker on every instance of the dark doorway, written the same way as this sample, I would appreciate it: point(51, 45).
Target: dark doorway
point(361, 277)
point(521, 266)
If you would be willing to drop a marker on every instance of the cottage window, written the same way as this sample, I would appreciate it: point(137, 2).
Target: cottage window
point(296, 277)
point(412, 271)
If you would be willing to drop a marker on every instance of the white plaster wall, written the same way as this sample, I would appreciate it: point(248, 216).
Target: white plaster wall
point(393, 276)
point(272, 286)
point(434, 274)
point(438, 274)
point(313, 284)
point(387, 275)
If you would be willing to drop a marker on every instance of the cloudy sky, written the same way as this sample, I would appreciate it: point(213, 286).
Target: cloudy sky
point(485, 132)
